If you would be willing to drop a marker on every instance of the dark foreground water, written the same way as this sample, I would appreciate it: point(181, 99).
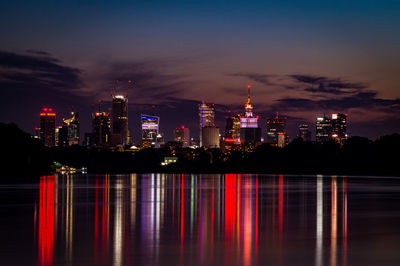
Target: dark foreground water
point(201, 219)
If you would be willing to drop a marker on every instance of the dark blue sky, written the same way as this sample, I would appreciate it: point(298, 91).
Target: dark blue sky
point(303, 58)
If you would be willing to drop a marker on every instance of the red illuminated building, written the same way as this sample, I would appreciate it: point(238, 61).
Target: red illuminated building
point(48, 127)
point(101, 128)
point(182, 135)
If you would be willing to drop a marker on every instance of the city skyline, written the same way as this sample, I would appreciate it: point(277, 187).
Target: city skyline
point(302, 60)
point(206, 114)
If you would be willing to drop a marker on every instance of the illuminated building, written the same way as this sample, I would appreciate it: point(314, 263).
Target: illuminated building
point(73, 128)
point(206, 117)
point(304, 132)
point(169, 160)
point(150, 124)
point(276, 131)
point(323, 131)
point(229, 145)
point(48, 127)
point(210, 137)
point(62, 136)
point(160, 140)
point(101, 129)
point(250, 132)
point(181, 134)
point(120, 120)
point(232, 129)
point(339, 127)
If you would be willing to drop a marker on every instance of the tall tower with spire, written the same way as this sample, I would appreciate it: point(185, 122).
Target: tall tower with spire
point(248, 107)
point(250, 132)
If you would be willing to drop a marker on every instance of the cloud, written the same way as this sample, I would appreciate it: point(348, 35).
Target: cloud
point(37, 52)
point(29, 82)
point(316, 85)
point(363, 100)
point(324, 85)
point(21, 72)
point(257, 77)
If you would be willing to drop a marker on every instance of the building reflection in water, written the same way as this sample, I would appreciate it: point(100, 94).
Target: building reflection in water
point(158, 218)
point(46, 220)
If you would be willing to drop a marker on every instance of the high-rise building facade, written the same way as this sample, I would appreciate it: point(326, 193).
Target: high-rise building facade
point(48, 127)
point(276, 131)
point(73, 128)
point(232, 129)
point(206, 117)
point(62, 136)
point(250, 132)
point(210, 137)
point(304, 132)
point(182, 135)
point(101, 125)
point(120, 128)
point(339, 127)
point(150, 126)
point(323, 130)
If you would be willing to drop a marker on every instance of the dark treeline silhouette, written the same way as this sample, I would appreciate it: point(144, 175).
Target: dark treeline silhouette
point(24, 155)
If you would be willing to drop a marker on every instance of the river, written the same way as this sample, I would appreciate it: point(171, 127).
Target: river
point(175, 219)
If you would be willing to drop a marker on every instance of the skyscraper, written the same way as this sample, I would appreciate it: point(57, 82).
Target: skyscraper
point(48, 127)
point(101, 129)
point(150, 124)
point(323, 131)
point(304, 132)
point(210, 137)
point(250, 132)
point(120, 119)
point(73, 127)
point(181, 134)
point(62, 136)
point(339, 127)
point(276, 131)
point(206, 117)
point(232, 128)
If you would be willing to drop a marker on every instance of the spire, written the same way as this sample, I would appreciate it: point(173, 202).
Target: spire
point(248, 106)
point(248, 94)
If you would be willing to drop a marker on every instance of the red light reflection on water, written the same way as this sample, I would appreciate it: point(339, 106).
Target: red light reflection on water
point(46, 220)
point(230, 206)
point(182, 209)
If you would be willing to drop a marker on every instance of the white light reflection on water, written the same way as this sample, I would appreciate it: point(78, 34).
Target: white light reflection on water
point(333, 259)
point(118, 219)
point(320, 221)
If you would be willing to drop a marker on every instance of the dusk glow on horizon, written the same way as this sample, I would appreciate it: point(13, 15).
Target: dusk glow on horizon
point(303, 59)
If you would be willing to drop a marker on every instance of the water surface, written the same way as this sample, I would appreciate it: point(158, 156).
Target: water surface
point(201, 219)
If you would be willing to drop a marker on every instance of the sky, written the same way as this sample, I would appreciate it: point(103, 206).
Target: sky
point(303, 59)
